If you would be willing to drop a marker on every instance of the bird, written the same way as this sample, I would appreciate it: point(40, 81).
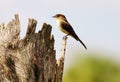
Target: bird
point(66, 28)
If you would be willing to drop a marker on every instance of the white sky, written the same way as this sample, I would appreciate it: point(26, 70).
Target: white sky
point(97, 22)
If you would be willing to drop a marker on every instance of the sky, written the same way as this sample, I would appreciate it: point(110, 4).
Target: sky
point(96, 22)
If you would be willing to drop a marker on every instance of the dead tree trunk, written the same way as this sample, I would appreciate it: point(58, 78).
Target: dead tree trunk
point(31, 59)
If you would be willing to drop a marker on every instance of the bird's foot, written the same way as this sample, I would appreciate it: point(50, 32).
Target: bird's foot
point(65, 37)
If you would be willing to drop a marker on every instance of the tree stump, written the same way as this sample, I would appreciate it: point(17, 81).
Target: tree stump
point(31, 59)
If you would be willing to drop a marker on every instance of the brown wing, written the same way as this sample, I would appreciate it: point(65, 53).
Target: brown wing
point(71, 32)
point(69, 29)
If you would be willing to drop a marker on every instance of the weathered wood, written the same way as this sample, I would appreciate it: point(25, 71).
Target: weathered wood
point(31, 59)
point(60, 61)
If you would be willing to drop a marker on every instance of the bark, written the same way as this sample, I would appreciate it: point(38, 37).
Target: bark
point(31, 59)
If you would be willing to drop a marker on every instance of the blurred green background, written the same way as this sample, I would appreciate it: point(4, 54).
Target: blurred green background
point(91, 68)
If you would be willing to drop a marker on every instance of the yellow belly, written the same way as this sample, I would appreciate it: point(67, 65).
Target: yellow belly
point(60, 27)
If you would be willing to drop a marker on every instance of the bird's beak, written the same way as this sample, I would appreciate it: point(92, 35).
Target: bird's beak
point(53, 16)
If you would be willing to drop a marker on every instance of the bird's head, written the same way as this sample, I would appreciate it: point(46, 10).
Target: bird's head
point(59, 17)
